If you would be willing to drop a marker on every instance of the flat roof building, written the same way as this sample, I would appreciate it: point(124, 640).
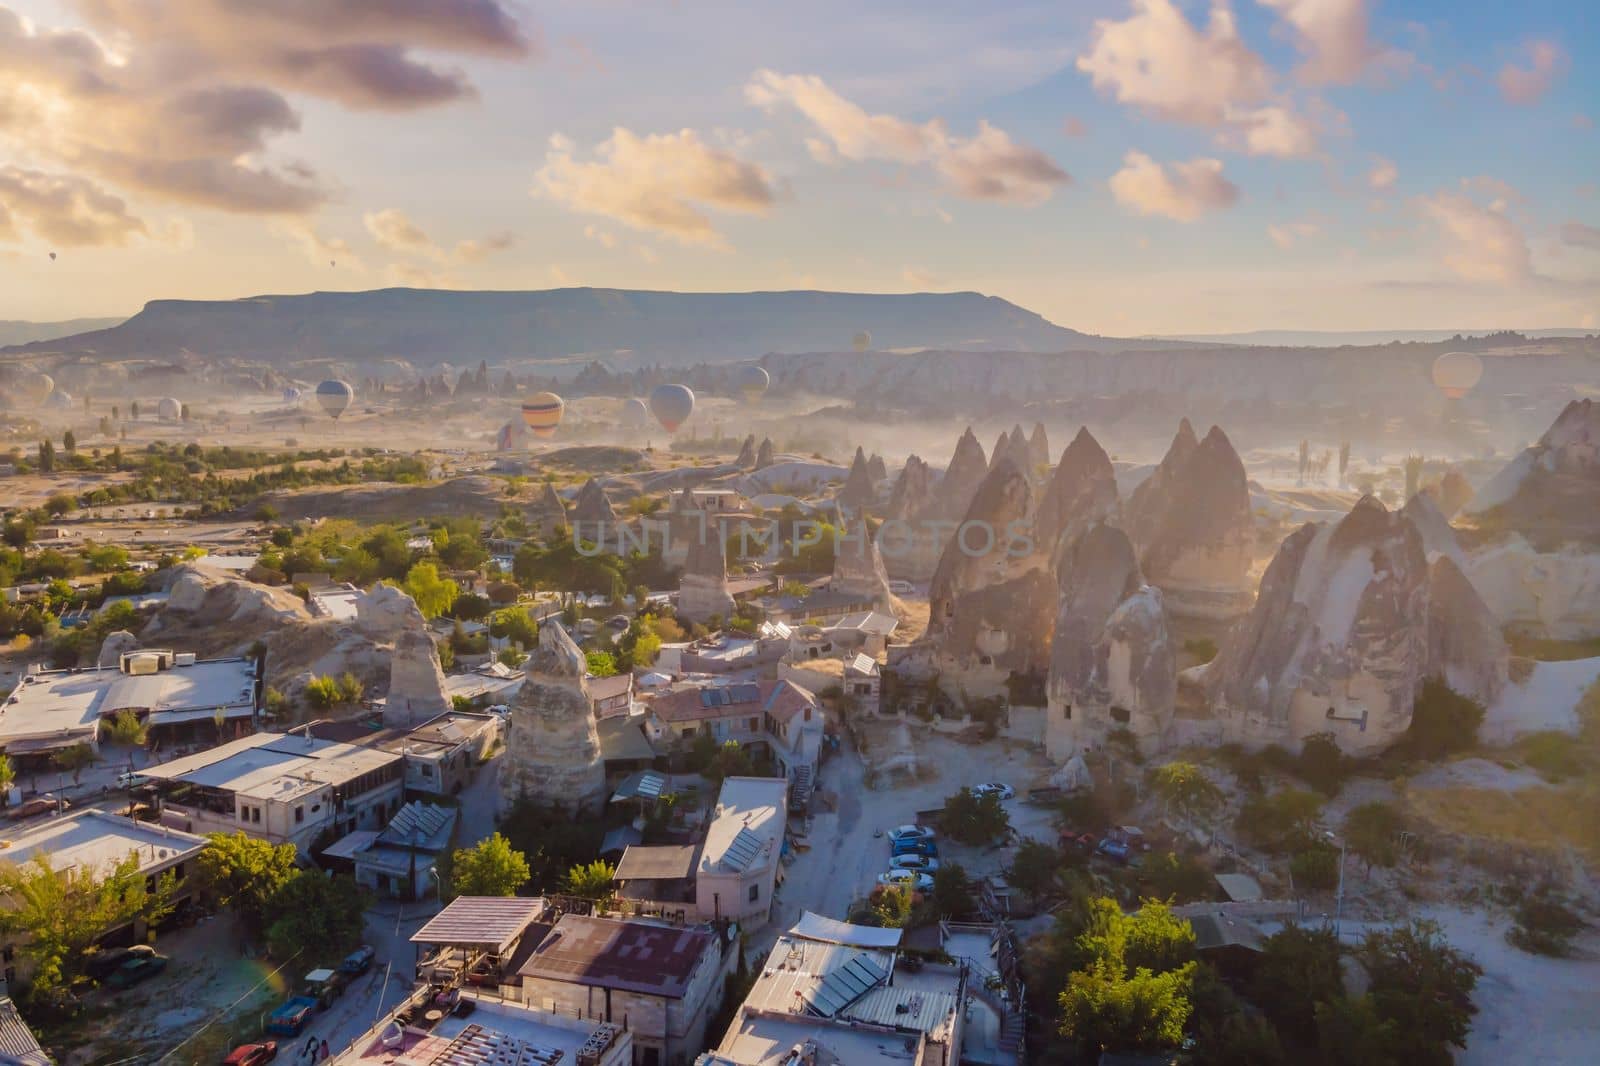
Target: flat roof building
point(737, 871)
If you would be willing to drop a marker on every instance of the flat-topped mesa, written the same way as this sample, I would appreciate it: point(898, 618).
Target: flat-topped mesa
point(1191, 520)
point(858, 568)
point(746, 459)
point(1111, 660)
point(1343, 634)
point(1551, 492)
point(993, 596)
point(764, 453)
point(859, 490)
point(552, 745)
point(1082, 491)
point(703, 587)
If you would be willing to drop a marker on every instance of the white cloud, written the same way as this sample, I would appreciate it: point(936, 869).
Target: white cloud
point(1333, 36)
point(474, 250)
point(322, 250)
point(412, 276)
point(660, 182)
point(1580, 235)
point(1285, 235)
point(63, 209)
point(920, 279)
point(1181, 191)
point(987, 166)
point(1526, 85)
point(1383, 174)
point(1271, 131)
point(600, 236)
point(1159, 62)
point(392, 229)
point(1480, 243)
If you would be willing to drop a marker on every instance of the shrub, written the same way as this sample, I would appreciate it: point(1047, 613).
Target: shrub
point(1280, 821)
point(323, 692)
point(1545, 925)
point(973, 819)
point(1443, 721)
point(1175, 878)
point(1316, 868)
point(1322, 765)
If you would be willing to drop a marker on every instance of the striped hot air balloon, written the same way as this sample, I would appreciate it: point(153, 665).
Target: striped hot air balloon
point(542, 414)
point(672, 405)
point(335, 397)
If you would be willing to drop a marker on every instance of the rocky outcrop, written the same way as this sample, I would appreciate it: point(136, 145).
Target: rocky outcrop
point(114, 647)
point(1543, 594)
point(764, 453)
point(385, 612)
point(962, 477)
point(1082, 491)
point(746, 459)
point(1438, 538)
point(416, 682)
point(1549, 493)
point(912, 494)
point(1465, 646)
point(859, 489)
point(858, 568)
point(552, 747)
point(703, 587)
point(1191, 520)
point(1039, 447)
point(1451, 492)
point(199, 598)
point(924, 511)
point(877, 470)
point(1342, 636)
point(550, 512)
point(592, 516)
point(1112, 664)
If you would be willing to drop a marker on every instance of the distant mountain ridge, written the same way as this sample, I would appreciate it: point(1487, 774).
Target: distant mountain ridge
point(1321, 338)
point(18, 332)
point(428, 326)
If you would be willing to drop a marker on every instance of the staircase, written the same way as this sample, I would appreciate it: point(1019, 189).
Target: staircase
point(800, 789)
point(1011, 1032)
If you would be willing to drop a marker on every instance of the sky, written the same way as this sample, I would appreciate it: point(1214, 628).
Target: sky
point(1120, 166)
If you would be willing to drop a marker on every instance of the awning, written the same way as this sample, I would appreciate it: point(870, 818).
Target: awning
point(347, 846)
point(660, 863)
point(619, 839)
point(832, 931)
point(646, 784)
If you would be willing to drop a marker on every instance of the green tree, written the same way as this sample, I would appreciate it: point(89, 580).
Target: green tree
point(69, 442)
point(433, 594)
point(1186, 790)
point(1351, 1030)
point(1443, 721)
point(8, 777)
point(515, 624)
point(60, 503)
point(1315, 868)
point(1280, 821)
point(951, 895)
point(601, 664)
point(974, 819)
point(58, 915)
point(491, 867)
point(1174, 877)
point(891, 906)
point(105, 558)
point(245, 873)
point(1372, 831)
point(1034, 869)
point(1322, 765)
point(1297, 970)
point(1544, 924)
point(1107, 1007)
point(316, 915)
point(74, 760)
point(1424, 986)
point(590, 880)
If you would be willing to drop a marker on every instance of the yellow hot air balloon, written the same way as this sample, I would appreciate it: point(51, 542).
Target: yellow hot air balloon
point(1457, 373)
point(542, 414)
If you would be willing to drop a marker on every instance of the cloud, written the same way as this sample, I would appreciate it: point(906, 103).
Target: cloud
point(63, 209)
point(1581, 236)
point(1383, 174)
point(600, 236)
point(987, 166)
point(1526, 85)
point(1183, 191)
point(393, 230)
point(1480, 243)
point(1285, 235)
point(991, 166)
point(920, 279)
point(1332, 34)
point(660, 182)
point(1157, 61)
point(475, 250)
point(320, 249)
point(1271, 131)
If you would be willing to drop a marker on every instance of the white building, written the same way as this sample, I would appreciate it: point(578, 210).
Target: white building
point(285, 788)
point(174, 693)
point(738, 868)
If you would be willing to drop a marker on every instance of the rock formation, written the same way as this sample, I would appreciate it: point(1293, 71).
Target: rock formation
point(912, 494)
point(550, 512)
point(764, 453)
point(877, 470)
point(1038, 447)
point(385, 612)
point(1451, 492)
point(1438, 538)
point(859, 490)
point(592, 515)
point(1341, 637)
point(1192, 523)
point(746, 459)
point(416, 682)
point(1002, 448)
point(552, 747)
point(1543, 594)
point(858, 568)
point(703, 587)
point(962, 477)
point(1082, 490)
point(1465, 646)
point(114, 647)
point(1550, 494)
point(1112, 664)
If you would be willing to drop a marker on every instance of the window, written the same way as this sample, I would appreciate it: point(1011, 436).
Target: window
point(299, 815)
point(1066, 712)
point(255, 815)
point(752, 724)
point(688, 734)
point(1120, 714)
point(755, 893)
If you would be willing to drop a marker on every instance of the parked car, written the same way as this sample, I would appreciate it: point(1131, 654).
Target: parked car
point(910, 832)
point(137, 969)
point(901, 588)
point(1114, 848)
point(619, 622)
point(925, 863)
point(994, 788)
point(291, 1017)
point(1082, 841)
point(252, 1054)
point(911, 879)
point(914, 847)
point(105, 963)
point(129, 779)
point(358, 961)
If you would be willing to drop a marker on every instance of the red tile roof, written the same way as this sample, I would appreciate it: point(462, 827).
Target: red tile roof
point(632, 956)
point(781, 699)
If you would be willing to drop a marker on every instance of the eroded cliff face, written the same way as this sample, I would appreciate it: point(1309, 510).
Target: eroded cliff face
point(552, 746)
point(416, 682)
point(1111, 660)
point(1343, 633)
point(1550, 494)
point(859, 491)
point(703, 587)
point(1544, 594)
point(924, 510)
point(592, 509)
point(1191, 520)
point(858, 568)
point(764, 453)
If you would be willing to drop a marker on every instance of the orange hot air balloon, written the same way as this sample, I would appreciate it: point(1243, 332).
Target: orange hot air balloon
point(542, 414)
point(1457, 373)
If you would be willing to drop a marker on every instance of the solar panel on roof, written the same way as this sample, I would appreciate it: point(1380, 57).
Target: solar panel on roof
point(742, 850)
point(843, 986)
point(746, 693)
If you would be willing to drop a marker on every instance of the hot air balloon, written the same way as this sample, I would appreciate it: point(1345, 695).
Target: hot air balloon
point(1457, 373)
point(169, 409)
point(861, 341)
point(335, 397)
point(291, 395)
point(542, 414)
point(753, 382)
point(52, 257)
point(672, 405)
point(635, 413)
point(31, 388)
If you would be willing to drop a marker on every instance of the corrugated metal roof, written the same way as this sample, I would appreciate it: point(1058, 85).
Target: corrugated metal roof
point(634, 956)
point(491, 921)
point(659, 863)
point(813, 926)
point(843, 985)
point(17, 1042)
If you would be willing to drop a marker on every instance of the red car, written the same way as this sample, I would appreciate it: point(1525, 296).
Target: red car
point(252, 1054)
